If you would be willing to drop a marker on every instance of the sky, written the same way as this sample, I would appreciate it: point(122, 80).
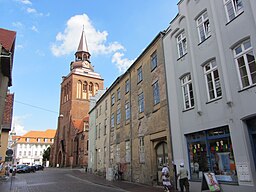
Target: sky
point(48, 33)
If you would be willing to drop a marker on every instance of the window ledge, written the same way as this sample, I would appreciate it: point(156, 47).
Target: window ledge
point(234, 18)
point(213, 100)
point(246, 88)
point(204, 40)
point(185, 110)
point(182, 56)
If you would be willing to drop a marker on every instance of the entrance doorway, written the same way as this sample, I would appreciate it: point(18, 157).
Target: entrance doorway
point(162, 158)
point(251, 124)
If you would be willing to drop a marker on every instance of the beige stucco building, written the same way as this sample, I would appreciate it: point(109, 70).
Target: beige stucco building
point(136, 139)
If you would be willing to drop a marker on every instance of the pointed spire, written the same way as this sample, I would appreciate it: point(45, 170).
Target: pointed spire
point(83, 43)
point(82, 53)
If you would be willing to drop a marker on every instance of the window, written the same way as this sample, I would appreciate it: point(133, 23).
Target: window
point(35, 153)
point(127, 111)
point(45, 140)
point(99, 130)
point(127, 86)
point(118, 115)
point(20, 153)
point(245, 63)
point(203, 26)
point(141, 102)
point(105, 126)
point(118, 94)
point(142, 150)
point(78, 90)
point(139, 71)
point(212, 80)
point(84, 90)
point(91, 87)
point(187, 91)
point(29, 153)
point(182, 44)
point(153, 61)
point(111, 153)
point(106, 104)
point(105, 155)
point(127, 152)
point(156, 95)
point(112, 120)
point(233, 8)
point(212, 151)
point(100, 110)
point(113, 99)
point(27, 139)
point(96, 132)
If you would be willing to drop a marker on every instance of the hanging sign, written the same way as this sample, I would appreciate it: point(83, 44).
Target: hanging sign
point(209, 182)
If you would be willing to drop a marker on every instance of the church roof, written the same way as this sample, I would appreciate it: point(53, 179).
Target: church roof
point(83, 44)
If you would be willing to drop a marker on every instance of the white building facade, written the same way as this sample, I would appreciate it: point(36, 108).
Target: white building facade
point(210, 51)
point(29, 148)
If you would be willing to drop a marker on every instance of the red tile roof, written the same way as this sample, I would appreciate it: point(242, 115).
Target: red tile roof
point(35, 135)
point(8, 112)
point(7, 39)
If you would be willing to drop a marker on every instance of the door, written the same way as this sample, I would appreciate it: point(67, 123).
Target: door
point(162, 158)
point(251, 124)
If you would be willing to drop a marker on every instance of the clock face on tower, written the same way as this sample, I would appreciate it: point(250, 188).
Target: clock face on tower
point(86, 64)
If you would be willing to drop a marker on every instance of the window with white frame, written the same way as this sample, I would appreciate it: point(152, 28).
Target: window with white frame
point(127, 111)
point(142, 150)
point(187, 91)
point(113, 99)
point(118, 115)
point(113, 120)
point(139, 72)
point(141, 102)
point(153, 61)
point(127, 152)
point(156, 95)
point(233, 8)
point(212, 80)
point(118, 94)
point(127, 86)
point(245, 64)
point(182, 44)
point(203, 26)
point(117, 153)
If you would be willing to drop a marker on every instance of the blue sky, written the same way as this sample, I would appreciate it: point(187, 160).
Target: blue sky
point(48, 32)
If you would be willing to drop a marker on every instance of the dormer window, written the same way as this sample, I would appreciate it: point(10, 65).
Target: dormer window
point(38, 140)
point(27, 139)
point(45, 140)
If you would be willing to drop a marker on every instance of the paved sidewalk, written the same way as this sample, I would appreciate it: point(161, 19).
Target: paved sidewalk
point(125, 185)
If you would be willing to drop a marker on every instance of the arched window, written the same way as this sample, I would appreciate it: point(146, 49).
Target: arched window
point(84, 93)
point(78, 90)
point(96, 87)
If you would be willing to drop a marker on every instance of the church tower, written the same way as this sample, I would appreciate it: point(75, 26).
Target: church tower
point(71, 140)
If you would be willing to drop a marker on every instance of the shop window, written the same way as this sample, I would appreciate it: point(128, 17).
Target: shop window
point(211, 151)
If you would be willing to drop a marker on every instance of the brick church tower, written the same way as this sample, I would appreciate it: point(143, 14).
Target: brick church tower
point(71, 140)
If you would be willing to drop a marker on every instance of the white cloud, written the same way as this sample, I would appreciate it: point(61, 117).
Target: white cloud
point(19, 46)
point(34, 28)
point(17, 24)
point(67, 41)
point(31, 10)
point(121, 63)
point(18, 125)
point(27, 2)
point(40, 53)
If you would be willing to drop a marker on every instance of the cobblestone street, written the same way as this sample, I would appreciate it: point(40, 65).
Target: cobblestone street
point(67, 180)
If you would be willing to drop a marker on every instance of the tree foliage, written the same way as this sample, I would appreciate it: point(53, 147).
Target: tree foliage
point(46, 155)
